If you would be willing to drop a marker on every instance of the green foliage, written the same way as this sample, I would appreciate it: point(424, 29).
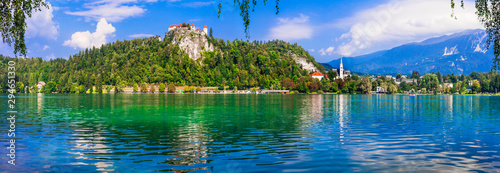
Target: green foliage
point(365, 85)
point(98, 83)
point(19, 87)
point(240, 64)
point(161, 88)
point(152, 88)
point(332, 75)
point(476, 87)
point(171, 88)
point(144, 88)
point(13, 21)
point(488, 12)
point(245, 6)
point(136, 87)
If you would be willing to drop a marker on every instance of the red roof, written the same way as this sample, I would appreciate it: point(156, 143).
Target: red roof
point(197, 29)
point(192, 24)
point(176, 25)
point(205, 26)
point(317, 74)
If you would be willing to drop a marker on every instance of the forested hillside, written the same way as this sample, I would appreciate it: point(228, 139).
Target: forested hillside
point(238, 64)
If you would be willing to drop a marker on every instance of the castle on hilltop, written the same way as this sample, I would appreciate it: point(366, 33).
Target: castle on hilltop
point(191, 27)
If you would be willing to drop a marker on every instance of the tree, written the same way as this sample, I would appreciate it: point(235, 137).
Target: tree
point(355, 77)
point(20, 87)
point(211, 33)
point(144, 88)
point(488, 12)
point(288, 84)
point(415, 75)
point(152, 89)
point(245, 6)
point(325, 85)
point(476, 87)
point(135, 88)
point(314, 86)
point(98, 83)
point(332, 75)
point(198, 89)
point(50, 87)
point(404, 86)
point(161, 88)
point(392, 88)
point(171, 88)
point(398, 76)
point(13, 23)
point(365, 85)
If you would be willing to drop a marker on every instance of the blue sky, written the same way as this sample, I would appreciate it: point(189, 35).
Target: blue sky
point(327, 29)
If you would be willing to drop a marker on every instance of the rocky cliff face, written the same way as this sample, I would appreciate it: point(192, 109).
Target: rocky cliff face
point(309, 66)
point(192, 42)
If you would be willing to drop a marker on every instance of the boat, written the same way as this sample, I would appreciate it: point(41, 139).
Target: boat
point(412, 94)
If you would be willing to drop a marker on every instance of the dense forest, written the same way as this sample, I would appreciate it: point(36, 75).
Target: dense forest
point(238, 64)
point(233, 65)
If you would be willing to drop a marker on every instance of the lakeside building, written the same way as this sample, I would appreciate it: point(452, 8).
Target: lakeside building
point(341, 72)
point(398, 81)
point(380, 89)
point(318, 75)
point(448, 85)
point(192, 27)
point(40, 85)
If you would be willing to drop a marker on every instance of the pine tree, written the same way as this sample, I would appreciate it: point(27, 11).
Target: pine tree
point(69, 84)
point(211, 33)
point(98, 83)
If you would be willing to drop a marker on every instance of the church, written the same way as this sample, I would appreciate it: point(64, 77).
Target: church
point(341, 72)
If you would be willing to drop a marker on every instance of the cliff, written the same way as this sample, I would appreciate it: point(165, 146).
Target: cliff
point(191, 42)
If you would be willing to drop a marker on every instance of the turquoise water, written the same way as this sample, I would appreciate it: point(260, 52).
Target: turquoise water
point(253, 133)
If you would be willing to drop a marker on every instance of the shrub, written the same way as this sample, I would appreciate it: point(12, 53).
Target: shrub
point(171, 88)
point(320, 92)
point(144, 88)
point(162, 87)
point(152, 89)
point(136, 87)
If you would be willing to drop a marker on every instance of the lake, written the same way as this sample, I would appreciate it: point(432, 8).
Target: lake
point(253, 133)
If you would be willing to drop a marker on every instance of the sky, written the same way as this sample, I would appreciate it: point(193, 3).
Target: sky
point(327, 29)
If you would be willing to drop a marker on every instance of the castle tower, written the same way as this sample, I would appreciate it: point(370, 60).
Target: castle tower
point(193, 27)
point(205, 30)
point(341, 69)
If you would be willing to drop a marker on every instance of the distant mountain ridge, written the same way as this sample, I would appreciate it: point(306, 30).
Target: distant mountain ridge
point(459, 53)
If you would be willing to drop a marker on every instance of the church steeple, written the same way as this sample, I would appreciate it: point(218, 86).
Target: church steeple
point(341, 69)
point(341, 65)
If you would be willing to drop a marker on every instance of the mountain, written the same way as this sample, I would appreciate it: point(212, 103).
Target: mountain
point(183, 57)
point(459, 53)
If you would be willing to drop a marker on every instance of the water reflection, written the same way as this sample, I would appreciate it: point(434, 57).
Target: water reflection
point(257, 133)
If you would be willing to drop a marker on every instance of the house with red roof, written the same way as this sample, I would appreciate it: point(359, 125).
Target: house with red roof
point(318, 75)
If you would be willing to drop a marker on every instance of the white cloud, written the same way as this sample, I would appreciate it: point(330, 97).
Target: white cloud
point(140, 35)
point(40, 24)
point(292, 29)
point(112, 10)
point(86, 39)
point(45, 47)
point(328, 51)
point(311, 50)
point(399, 22)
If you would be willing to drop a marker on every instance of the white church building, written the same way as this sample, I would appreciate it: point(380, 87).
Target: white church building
point(341, 73)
